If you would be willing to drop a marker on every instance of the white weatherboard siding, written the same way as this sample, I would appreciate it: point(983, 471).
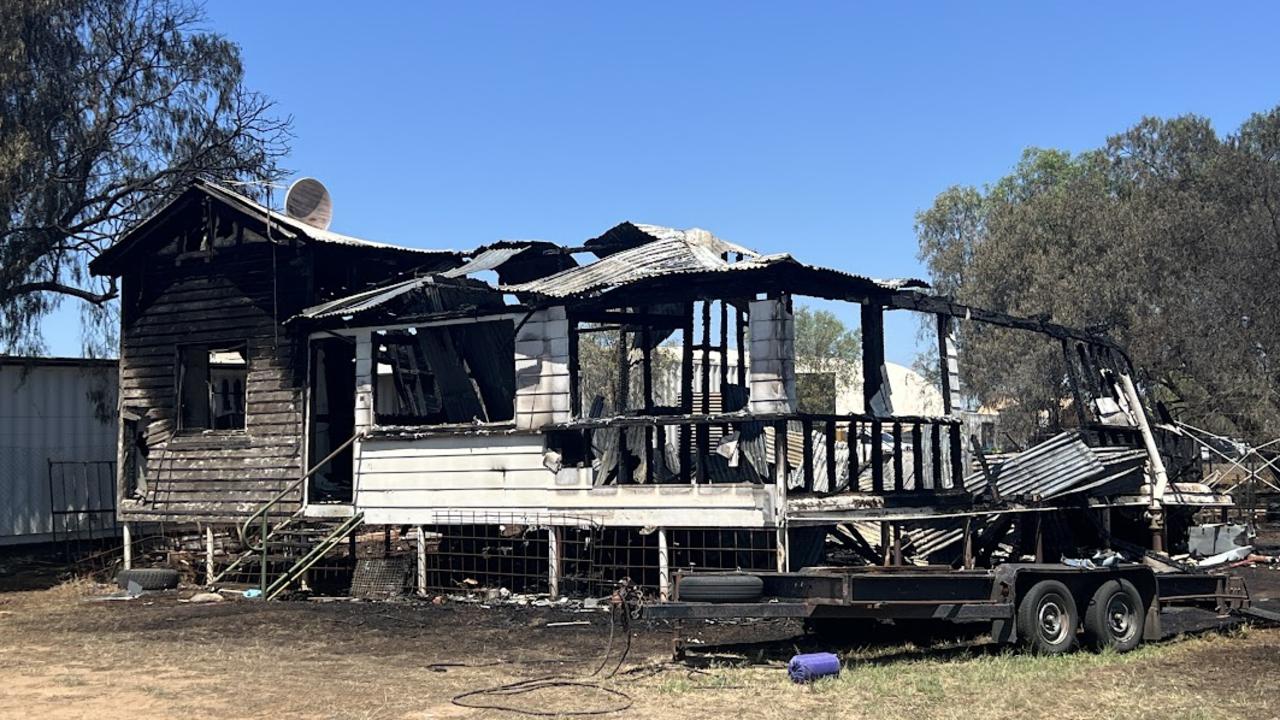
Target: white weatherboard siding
point(455, 478)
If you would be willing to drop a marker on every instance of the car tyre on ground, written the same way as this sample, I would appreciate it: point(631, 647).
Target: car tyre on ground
point(149, 578)
point(1114, 618)
point(1047, 618)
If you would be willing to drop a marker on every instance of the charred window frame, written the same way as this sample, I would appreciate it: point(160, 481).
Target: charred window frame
point(658, 359)
point(445, 374)
point(212, 386)
point(134, 454)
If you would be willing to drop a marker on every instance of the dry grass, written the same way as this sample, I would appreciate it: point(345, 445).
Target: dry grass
point(63, 657)
point(1188, 678)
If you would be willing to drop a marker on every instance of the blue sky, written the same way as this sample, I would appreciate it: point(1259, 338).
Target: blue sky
point(814, 129)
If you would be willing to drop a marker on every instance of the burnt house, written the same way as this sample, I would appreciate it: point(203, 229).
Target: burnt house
point(553, 418)
point(211, 379)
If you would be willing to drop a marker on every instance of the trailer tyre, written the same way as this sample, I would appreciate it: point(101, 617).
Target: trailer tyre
point(149, 578)
point(1047, 618)
point(1114, 617)
point(720, 588)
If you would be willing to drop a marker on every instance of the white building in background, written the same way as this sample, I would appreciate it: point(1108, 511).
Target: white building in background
point(57, 448)
point(909, 392)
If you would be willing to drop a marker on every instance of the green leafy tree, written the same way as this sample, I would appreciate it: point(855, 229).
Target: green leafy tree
point(827, 355)
point(1167, 237)
point(107, 106)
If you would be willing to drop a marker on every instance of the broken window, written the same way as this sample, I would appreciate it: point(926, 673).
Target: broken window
point(211, 387)
point(445, 374)
point(135, 453)
point(653, 359)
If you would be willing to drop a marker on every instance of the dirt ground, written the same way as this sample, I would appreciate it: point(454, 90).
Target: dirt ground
point(64, 653)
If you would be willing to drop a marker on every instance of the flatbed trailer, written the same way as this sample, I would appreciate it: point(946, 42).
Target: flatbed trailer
point(1049, 608)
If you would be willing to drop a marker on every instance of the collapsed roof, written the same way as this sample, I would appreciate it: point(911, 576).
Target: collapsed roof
point(633, 261)
point(416, 297)
point(1062, 465)
point(693, 254)
point(630, 256)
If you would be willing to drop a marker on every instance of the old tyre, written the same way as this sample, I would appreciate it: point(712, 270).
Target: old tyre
point(720, 588)
point(1047, 618)
point(149, 578)
point(1114, 617)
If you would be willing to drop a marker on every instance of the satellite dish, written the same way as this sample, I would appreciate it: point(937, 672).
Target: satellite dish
point(308, 200)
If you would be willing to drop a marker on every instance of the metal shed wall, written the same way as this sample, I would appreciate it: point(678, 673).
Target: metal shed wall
point(48, 412)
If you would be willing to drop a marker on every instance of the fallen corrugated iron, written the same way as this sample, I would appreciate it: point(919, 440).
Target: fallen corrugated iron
point(1062, 465)
point(936, 540)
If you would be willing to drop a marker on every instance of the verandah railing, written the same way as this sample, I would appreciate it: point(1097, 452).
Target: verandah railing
point(820, 454)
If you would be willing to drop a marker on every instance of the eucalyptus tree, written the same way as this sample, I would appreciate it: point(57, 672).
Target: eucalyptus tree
point(107, 106)
point(1167, 237)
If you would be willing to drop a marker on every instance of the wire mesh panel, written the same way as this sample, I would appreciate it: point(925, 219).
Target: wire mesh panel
point(617, 553)
point(490, 552)
point(380, 578)
point(693, 549)
point(477, 551)
point(82, 502)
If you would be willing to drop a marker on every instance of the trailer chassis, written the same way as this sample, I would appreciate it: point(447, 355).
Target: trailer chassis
point(998, 596)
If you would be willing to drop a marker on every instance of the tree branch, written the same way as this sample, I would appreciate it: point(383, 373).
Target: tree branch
point(111, 293)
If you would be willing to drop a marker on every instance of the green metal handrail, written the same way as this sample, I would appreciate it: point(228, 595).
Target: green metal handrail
point(262, 514)
point(278, 586)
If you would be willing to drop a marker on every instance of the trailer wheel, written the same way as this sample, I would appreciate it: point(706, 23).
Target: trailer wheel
point(720, 588)
point(1047, 618)
point(1114, 617)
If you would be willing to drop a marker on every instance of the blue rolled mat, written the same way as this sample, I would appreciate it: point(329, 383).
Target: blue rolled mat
point(811, 666)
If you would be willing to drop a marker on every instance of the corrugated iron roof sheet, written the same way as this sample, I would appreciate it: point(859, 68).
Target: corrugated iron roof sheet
point(488, 260)
point(314, 233)
point(629, 234)
point(111, 259)
point(446, 294)
point(672, 252)
point(352, 304)
point(1062, 465)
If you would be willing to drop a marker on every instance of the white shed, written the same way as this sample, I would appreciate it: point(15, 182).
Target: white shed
point(57, 448)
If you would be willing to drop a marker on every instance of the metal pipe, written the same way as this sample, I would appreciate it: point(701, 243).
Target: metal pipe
point(262, 511)
point(208, 553)
point(127, 537)
point(1158, 475)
